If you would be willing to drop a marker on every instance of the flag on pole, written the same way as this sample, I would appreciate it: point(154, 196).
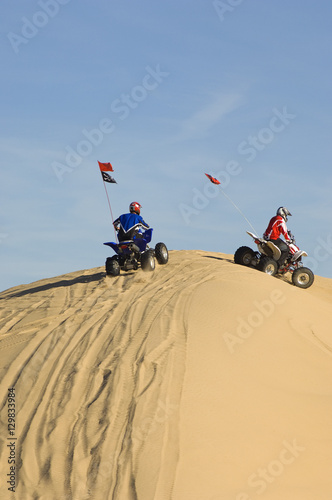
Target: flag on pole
point(107, 178)
point(105, 167)
point(212, 179)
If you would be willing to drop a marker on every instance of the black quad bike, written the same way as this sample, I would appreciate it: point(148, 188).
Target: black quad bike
point(266, 260)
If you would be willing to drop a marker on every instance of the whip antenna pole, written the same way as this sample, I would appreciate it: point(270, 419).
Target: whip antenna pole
point(109, 204)
point(104, 169)
point(215, 181)
point(237, 208)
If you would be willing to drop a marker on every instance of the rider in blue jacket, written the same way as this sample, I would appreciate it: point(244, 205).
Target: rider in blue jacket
point(130, 225)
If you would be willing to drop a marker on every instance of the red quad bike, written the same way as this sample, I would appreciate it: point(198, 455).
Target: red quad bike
point(266, 260)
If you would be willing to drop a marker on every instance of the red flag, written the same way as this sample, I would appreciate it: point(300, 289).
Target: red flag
point(105, 167)
point(212, 179)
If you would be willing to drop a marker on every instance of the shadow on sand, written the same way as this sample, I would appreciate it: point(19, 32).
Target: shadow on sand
point(218, 258)
point(56, 284)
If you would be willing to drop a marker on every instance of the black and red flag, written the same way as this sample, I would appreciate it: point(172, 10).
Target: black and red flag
point(104, 168)
point(212, 179)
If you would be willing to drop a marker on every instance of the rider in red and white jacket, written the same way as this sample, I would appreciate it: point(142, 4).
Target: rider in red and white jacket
point(276, 228)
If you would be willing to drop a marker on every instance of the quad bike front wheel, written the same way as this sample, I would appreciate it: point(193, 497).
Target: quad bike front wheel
point(112, 267)
point(161, 253)
point(148, 262)
point(268, 266)
point(244, 256)
point(303, 277)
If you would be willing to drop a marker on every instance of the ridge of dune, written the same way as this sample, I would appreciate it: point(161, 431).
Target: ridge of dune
point(181, 384)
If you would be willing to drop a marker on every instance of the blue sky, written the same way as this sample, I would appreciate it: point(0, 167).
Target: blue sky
point(165, 91)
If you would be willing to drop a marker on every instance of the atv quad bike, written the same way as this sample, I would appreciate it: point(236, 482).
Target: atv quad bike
point(266, 260)
point(135, 253)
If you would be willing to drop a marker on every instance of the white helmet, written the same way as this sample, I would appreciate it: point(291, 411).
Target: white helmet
point(283, 212)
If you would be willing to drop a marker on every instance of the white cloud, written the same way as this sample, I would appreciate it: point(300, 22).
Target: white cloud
point(202, 120)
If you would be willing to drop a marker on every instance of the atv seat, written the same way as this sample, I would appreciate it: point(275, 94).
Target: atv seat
point(266, 247)
point(271, 250)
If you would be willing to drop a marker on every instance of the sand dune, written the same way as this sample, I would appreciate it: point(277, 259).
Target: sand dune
point(201, 381)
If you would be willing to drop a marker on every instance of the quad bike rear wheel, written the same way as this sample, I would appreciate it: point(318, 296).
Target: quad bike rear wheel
point(244, 256)
point(268, 266)
point(303, 277)
point(148, 262)
point(161, 253)
point(112, 267)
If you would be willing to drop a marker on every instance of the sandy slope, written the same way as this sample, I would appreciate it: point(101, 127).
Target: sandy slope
point(202, 381)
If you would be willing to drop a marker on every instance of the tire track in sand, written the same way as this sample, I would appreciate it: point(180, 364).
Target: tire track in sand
point(99, 386)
